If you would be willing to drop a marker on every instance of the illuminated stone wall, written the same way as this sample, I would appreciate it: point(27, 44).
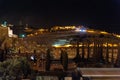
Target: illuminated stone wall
point(3, 32)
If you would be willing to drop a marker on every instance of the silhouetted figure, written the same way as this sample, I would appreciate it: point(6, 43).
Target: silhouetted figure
point(76, 75)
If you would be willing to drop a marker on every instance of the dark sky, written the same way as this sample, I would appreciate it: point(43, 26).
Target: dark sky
point(99, 14)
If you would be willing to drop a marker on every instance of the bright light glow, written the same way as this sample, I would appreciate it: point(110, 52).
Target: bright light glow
point(57, 45)
point(10, 32)
point(77, 30)
point(60, 42)
point(117, 36)
point(103, 32)
point(30, 35)
point(83, 30)
point(32, 57)
point(41, 30)
point(22, 35)
point(4, 24)
point(68, 45)
point(90, 31)
point(80, 30)
point(115, 45)
point(110, 45)
point(63, 27)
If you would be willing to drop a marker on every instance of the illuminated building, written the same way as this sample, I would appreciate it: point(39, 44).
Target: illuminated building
point(6, 32)
point(6, 36)
point(91, 42)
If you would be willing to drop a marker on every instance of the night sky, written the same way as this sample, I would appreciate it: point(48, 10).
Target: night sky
point(97, 14)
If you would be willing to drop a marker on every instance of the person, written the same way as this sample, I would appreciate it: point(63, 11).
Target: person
point(76, 75)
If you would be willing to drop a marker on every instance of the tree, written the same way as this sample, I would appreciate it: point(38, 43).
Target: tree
point(77, 58)
point(76, 40)
point(2, 39)
point(1, 55)
point(64, 59)
point(117, 62)
point(13, 69)
point(48, 60)
point(25, 66)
